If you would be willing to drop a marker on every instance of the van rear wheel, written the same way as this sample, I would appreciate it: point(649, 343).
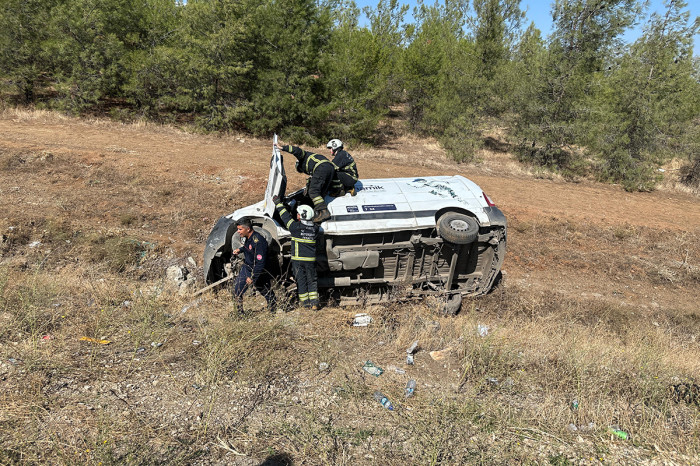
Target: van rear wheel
point(457, 228)
point(452, 306)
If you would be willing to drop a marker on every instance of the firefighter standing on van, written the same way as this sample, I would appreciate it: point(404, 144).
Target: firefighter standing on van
point(345, 170)
point(321, 172)
point(304, 235)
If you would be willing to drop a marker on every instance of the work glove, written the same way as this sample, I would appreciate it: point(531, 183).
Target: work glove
point(276, 199)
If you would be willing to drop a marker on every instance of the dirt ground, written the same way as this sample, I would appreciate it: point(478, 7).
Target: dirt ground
point(201, 177)
point(589, 268)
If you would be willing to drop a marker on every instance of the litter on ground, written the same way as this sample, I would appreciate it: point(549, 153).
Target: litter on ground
point(370, 368)
point(95, 340)
point(361, 320)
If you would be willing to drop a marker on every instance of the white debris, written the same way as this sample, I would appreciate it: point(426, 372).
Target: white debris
point(361, 320)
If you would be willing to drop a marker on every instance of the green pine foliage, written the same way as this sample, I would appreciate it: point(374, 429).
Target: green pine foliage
point(360, 69)
point(647, 104)
point(25, 63)
point(551, 123)
point(579, 102)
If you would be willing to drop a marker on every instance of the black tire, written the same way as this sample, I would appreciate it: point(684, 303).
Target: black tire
point(453, 305)
point(457, 228)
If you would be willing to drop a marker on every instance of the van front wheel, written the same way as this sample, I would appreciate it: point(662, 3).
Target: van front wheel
point(457, 228)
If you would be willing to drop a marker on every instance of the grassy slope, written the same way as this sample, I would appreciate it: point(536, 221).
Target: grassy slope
point(598, 310)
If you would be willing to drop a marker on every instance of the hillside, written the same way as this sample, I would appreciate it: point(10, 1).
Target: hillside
point(599, 305)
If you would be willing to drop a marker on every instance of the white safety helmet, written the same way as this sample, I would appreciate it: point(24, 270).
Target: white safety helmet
point(335, 144)
point(305, 212)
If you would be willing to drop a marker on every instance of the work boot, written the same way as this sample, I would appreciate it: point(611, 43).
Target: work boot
point(321, 215)
point(337, 193)
point(353, 192)
point(314, 308)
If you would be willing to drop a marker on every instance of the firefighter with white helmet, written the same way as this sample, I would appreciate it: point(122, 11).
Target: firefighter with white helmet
point(346, 174)
point(321, 173)
point(304, 236)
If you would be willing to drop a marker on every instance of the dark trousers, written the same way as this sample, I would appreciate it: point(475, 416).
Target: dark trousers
point(263, 284)
point(342, 183)
point(347, 180)
point(307, 282)
point(319, 184)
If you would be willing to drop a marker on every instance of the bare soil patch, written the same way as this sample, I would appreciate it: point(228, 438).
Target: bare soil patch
point(599, 305)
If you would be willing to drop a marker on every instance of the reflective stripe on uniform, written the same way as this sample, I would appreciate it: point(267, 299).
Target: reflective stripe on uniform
point(317, 200)
point(289, 223)
point(303, 297)
point(318, 162)
point(306, 259)
point(302, 240)
point(313, 294)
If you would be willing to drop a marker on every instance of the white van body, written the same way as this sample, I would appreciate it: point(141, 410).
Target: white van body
point(436, 235)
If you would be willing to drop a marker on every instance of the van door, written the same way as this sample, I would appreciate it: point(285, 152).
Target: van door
point(276, 181)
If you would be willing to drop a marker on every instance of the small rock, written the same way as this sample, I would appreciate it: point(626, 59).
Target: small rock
point(323, 366)
point(34, 244)
point(440, 355)
point(175, 274)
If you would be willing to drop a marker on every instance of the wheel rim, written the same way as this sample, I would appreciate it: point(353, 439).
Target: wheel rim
point(459, 225)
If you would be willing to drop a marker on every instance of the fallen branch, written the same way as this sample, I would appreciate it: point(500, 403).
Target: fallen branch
point(227, 446)
point(223, 280)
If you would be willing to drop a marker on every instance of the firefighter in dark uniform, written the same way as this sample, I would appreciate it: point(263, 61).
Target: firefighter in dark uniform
point(321, 172)
point(304, 235)
point(253, 272)
point(345, 170)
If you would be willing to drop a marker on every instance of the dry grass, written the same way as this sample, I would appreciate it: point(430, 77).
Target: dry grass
point(198, 386)
point(601, 313)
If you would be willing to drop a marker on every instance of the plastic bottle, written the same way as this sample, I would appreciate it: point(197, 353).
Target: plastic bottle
point(370, 368)
point(618, 433)
point(383, 400)
point(410, 388)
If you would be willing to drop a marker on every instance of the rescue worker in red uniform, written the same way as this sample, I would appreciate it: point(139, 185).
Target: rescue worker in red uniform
point(346, 174)
point(321, 172)
point(304, 236)
point(254, 271)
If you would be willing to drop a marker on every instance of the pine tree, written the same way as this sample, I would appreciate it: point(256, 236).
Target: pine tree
point(553, 117)
point(360, 69)
point(24, 60)
point(496, 28)
point(649, 103)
